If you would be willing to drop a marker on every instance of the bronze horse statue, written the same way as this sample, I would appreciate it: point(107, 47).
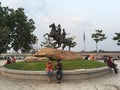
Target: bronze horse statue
point(59, 38)
point(52, 32)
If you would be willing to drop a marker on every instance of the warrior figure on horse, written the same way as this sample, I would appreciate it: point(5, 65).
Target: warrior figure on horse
point(59, 38)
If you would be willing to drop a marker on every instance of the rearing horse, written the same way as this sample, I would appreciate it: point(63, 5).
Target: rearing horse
point(59, 40)
point(52, 32)
point(54, 35)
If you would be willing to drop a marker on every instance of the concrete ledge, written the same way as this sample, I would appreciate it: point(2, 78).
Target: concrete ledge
point(77, 74)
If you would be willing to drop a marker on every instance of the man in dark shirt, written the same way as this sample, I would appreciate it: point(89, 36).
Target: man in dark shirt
point(58, 68)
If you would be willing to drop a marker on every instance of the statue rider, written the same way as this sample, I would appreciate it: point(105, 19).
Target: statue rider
point(63, 34)
point(59, 30)
point(58, 33)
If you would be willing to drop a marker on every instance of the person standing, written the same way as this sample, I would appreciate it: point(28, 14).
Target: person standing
point(49, 70)
point(58, 68)
point(105, 59)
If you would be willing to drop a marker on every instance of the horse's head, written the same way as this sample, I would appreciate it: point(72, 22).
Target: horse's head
point(52, 25)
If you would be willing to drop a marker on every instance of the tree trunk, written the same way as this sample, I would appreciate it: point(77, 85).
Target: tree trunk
point(69, 48)
point(96, 50)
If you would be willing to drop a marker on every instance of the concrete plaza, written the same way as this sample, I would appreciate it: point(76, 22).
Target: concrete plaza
point(110, 81)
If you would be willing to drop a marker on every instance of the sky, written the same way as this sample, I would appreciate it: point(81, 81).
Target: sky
point(77, 17)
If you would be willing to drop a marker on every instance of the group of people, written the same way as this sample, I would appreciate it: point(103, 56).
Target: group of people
point(11, 59)
point(89, 57)
point(58, 67)
point(110, 63)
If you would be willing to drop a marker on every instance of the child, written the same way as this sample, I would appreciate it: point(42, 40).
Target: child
point(49, 70)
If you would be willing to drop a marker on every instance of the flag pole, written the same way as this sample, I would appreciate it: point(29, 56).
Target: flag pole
point(84, 41)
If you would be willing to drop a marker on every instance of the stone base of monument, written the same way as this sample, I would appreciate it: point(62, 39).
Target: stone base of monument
point(78, 74)
point(36, 59)
point(53, 54)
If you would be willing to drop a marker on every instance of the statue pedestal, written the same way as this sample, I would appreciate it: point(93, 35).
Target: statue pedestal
point(53, 54)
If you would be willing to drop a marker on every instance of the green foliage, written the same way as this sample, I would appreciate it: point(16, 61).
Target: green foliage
point(73, 43)
point(49, 42)
point(4, 39)
point(23, 32)
point(67, 65)
point(4, 29)
point(98, 36)
point(117, 38)
point(19, 29)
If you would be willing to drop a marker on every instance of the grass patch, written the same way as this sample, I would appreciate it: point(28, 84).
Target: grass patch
point(67, 65)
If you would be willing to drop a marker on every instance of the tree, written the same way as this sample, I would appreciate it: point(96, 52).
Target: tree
point(98, 36)
point(4, 39)
point(117, 38)
point(4, 29)
point(22, 34)
point(20, 29)
point(72, 43)
point(49, 42)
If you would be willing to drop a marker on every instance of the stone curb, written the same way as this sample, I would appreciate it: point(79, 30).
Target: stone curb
point(77, 74)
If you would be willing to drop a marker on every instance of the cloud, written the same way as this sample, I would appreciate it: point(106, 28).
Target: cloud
point(12, 3)
point(29, 5)
point(72, 22)
point(35, 6)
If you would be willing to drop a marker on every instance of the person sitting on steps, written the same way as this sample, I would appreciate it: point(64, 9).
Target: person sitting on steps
point(111, 64)
point(58, 68)
point(49, 70)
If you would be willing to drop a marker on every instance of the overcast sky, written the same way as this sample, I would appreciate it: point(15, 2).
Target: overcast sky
point(76, 16)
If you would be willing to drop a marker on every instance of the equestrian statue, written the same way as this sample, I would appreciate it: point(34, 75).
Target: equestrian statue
point(59, 36)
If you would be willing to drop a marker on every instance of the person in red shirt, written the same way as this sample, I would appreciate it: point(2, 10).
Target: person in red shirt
point(13, 59)
point(111, 64)
point(49, 69)
point(8, 61)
